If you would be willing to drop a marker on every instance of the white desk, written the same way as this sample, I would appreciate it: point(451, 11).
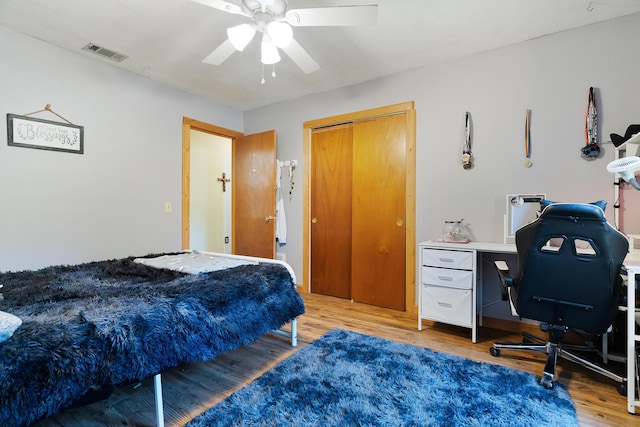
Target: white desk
point(632, 264)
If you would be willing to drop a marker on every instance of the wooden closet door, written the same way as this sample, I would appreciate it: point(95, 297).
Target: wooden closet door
point(331, 164)
point(254, 195)
point(378, 212)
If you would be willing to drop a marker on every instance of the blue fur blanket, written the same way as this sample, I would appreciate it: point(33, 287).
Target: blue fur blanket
point(113, 322)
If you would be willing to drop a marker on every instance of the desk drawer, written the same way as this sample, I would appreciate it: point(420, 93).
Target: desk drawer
point(446, 277)
point(448, 305)
point(448, 259)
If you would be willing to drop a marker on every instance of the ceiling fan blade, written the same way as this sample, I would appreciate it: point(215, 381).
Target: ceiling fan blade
point(301, 57)
point(333, 16)
point(222, 5)
point(222, 52)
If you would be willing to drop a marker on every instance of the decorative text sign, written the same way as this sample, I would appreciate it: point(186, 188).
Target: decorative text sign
point(23, 131)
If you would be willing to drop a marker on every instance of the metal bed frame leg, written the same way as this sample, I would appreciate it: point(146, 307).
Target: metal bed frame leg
point(294, 333)
point(157, 379)
point(157, 387)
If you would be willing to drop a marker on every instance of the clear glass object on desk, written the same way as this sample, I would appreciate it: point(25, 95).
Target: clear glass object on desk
point(454, 232)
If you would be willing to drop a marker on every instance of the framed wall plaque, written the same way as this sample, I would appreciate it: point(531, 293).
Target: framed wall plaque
point(30, 132)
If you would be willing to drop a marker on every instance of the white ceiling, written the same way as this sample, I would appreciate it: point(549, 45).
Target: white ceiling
point(166, 40)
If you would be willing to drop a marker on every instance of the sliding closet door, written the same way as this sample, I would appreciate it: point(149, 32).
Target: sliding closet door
point(378, 211)
point(331, 160)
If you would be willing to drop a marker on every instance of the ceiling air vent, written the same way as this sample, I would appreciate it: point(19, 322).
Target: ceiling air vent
point(110, 54)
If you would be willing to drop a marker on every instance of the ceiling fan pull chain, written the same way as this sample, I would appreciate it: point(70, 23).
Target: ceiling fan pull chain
point(273, 73)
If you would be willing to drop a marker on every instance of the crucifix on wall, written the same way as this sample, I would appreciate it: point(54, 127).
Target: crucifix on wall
point(224, 181)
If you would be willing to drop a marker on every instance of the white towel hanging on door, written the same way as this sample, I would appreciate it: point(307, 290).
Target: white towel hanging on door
point(281, 220)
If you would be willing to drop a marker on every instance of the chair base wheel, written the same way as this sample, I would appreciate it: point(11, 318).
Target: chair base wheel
point(546, 381)
point(622, 388)
point(494, 351)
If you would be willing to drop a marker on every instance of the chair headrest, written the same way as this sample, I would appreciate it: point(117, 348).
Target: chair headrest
point(576, 210)
point(546, 202)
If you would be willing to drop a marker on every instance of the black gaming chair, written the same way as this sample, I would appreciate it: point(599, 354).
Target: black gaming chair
point(569, 262)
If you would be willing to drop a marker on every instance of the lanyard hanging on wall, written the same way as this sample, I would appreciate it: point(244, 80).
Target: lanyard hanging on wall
point(467, 160)
point(527, 140)
point(591, 150)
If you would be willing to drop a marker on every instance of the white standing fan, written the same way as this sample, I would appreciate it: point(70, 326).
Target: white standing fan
point(626, 167)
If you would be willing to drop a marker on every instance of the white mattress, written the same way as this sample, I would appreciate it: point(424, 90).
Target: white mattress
point(194, 262)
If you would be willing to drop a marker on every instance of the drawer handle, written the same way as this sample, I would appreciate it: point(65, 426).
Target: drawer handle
point(444, 304)
point(446, 259)
point(446, 278)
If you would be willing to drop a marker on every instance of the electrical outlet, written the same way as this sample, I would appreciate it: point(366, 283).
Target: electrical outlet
point(167, 207)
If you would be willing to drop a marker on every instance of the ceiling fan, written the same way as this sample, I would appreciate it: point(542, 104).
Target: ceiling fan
point(274, 20)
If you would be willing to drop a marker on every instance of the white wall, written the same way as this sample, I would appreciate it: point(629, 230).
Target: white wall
point(108, 202)
point(549, 75)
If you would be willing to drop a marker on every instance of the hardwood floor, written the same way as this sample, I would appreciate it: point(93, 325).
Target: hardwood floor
point(190, 389)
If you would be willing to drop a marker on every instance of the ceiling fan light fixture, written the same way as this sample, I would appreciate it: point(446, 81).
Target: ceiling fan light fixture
point(241, 35)
point(280, 33)
point(269, 51)
point(270, 13)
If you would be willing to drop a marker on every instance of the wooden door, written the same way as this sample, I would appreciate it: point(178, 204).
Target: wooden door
point(378, 217)
point(331, 164)
point(254, 195)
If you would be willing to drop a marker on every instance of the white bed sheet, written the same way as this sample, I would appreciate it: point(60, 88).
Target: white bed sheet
point(195, 262)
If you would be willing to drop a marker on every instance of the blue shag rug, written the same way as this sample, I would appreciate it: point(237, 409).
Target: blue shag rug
point(349, 379)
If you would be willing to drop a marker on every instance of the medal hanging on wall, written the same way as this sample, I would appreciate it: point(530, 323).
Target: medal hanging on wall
point(292, 168)
point(467, 159)
point(527, 140)
point(591, 150)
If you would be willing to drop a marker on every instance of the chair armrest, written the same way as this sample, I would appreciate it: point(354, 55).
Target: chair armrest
point(505, 279)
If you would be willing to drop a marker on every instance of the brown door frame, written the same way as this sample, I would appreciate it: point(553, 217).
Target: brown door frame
point(410, 231)
point(187, 126)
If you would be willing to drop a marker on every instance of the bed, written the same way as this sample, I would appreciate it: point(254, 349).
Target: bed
point(88, 327)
